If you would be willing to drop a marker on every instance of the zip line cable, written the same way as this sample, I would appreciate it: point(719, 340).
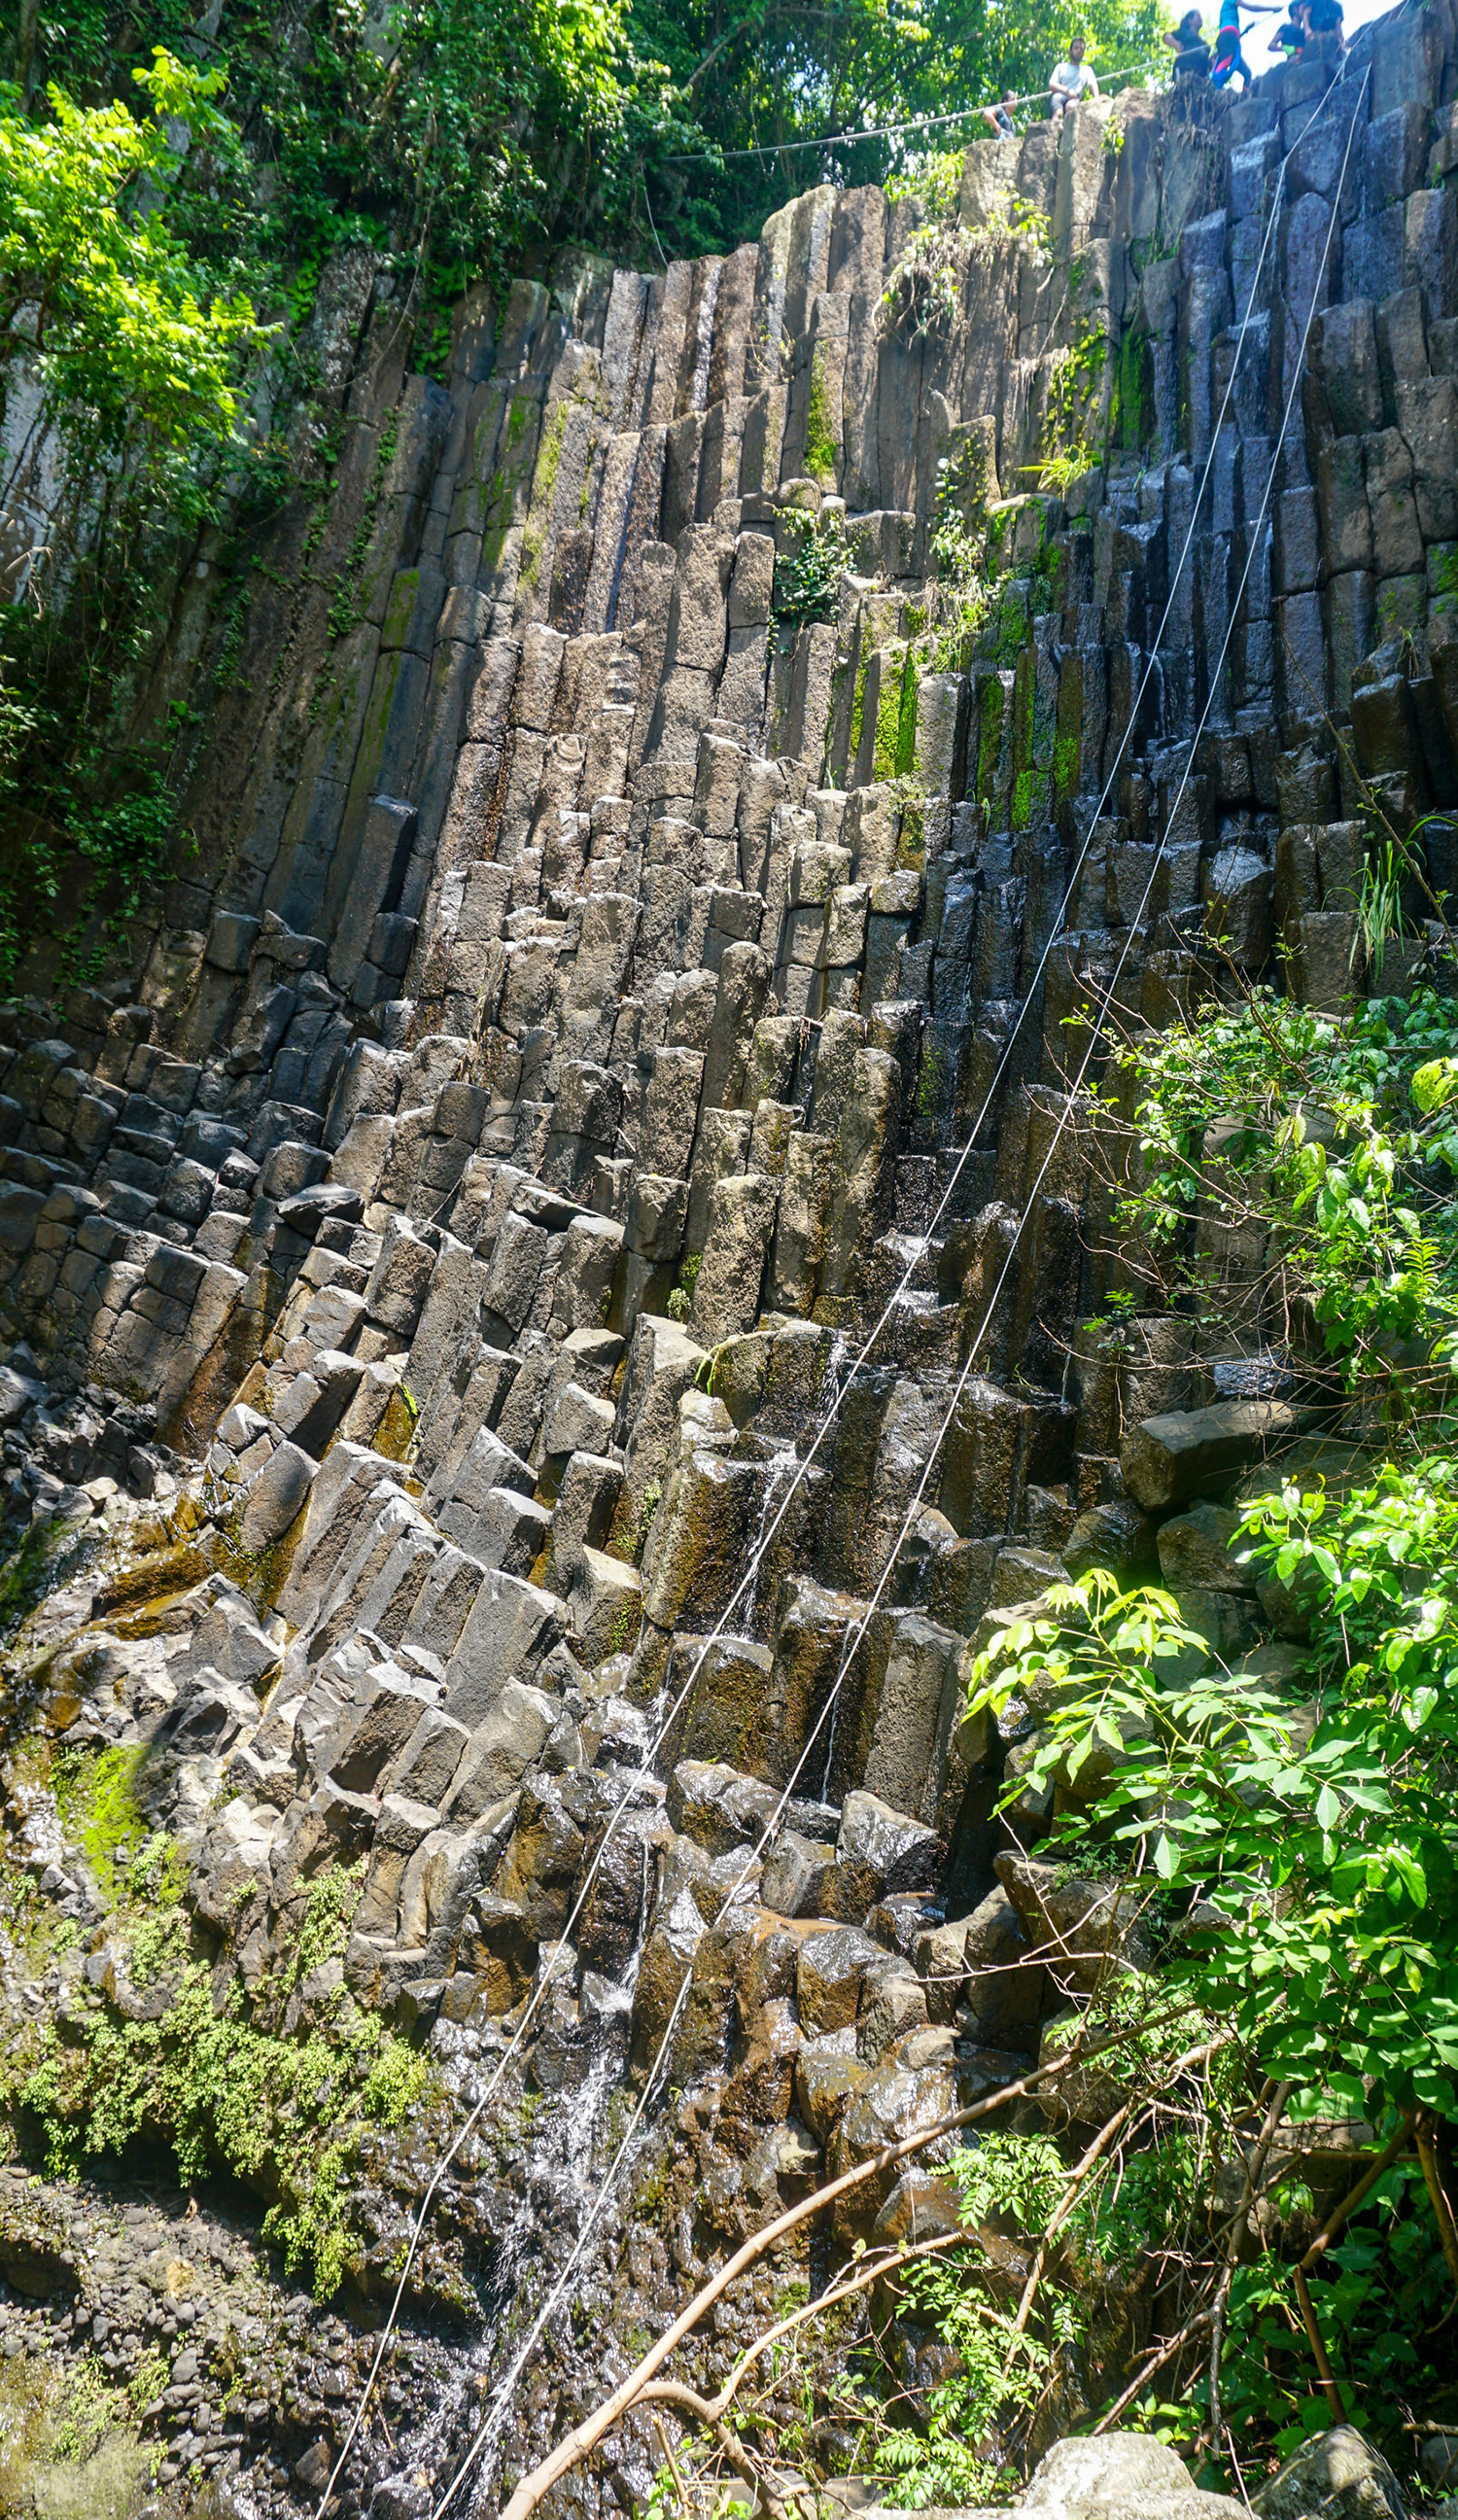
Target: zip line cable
point(645, 1771)
point(888, 130)
point(503, 2394)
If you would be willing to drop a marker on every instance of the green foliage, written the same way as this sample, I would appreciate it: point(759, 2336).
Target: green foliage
point(1381, 2308)
point(100, 294)
point(135, 357)
point(1073, 406)
point(442, 135)
point(933, 177)
point(1379, 908)
point(148, 2381)
point(752, 72)
point(822, 438)
point(1061, 467)
point(290, 2116)
point(1335, 1136)
point(67, 2450)
point(95, 1797)
point(629, 1538)
point(996, 2375)
point(325, 1932)
point(681, 1297)
point(1317, 1827)
point(1021, 223)
point(808, 574)
point(88, 2411)
point(965, 577)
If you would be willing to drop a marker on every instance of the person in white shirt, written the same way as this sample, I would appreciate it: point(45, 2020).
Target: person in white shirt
point(1070, 80)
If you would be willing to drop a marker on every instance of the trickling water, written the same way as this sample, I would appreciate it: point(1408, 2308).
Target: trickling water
point(552, 2192)
point(699, 394)
point(781, 1464)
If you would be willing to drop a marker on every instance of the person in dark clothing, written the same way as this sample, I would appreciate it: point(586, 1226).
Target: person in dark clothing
point(1324, 26)
point(1291, 38)
point(998, 117)
point(1189, 47)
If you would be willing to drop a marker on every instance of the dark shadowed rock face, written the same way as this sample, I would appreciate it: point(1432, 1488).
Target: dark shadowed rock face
point(426, 1265)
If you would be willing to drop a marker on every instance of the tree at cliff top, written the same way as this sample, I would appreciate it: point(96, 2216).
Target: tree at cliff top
point(446, 135)
point(119, 366)
point(455, 135)
point(770, 74)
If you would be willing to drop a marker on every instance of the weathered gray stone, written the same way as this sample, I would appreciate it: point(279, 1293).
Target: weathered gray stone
point(901, 1853)
point(276, 1498)
point(1188, 1453)
point(1203, 1548)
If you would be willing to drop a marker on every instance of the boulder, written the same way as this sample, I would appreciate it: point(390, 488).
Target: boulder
point(827, 2081)
point(717, 1807)
point(1337, 2476)
point(502, 1749)
point(791, 1876)
point(276, 1498)
point(606, 1604)
point(368, 1738)
point(1186, 1453)
point(1119, 1534)
point(893, 2002)
point(1199, 1549)
point(828, 1977)
point(18, 1393)
point(1085, 1927)
point(901, 1853)
point(1006, 1987)
point(1121, 2476)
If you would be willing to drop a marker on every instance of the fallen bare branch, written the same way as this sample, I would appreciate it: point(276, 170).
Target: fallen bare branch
point(1325, 2375)
point(1358, 2194)
point(869, 2272)
point(584, 2435)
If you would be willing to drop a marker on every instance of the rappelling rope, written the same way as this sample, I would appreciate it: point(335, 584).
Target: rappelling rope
point(503, 2393)
point(646, 1771)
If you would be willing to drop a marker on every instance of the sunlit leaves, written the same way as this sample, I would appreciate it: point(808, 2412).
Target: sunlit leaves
point(1328, 1136)
point(1319, 1822)
point(97, 288)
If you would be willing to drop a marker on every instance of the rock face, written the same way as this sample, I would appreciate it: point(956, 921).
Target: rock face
point(457, 1215)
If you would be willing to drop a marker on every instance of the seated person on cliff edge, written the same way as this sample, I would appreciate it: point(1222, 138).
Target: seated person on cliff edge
point(998, 117)
point(1070, 81)
point(1189, 47)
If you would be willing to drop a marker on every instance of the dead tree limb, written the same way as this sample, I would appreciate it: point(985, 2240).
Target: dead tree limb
point(1447, 2231)
point(585, 2436)
point(1358, 2194)
point(868, 2271)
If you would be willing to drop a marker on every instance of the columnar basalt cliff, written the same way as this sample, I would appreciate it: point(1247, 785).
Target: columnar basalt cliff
point(431, 1256)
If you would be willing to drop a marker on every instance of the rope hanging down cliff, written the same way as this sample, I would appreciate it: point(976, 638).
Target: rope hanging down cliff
point(831, 1415)
point(518, 2507)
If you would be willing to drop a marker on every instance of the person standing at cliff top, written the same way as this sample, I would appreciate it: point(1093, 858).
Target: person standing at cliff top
point(1228, 57)
point(1327, 40)
point(1189, 47)
point(998, 117)
point(1070, 80)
